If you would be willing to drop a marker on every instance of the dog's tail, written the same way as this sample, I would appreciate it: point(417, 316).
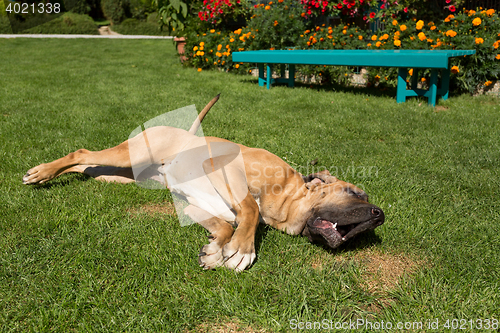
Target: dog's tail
point(203, 113)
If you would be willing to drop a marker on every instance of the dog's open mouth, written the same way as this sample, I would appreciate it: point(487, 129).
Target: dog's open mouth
point(343, 232)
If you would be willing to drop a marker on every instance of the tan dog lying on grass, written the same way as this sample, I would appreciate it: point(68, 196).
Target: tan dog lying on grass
point(229, 185)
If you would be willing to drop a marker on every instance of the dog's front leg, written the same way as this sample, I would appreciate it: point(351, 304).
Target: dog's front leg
point(239, 253)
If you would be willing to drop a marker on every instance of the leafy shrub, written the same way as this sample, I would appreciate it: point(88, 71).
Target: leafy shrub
point(137, 27)
point(278, 24)
point(68, 23)
point(113, 10)
point(5, 27)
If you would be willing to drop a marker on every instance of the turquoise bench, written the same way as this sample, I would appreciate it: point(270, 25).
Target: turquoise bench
point(403, 59)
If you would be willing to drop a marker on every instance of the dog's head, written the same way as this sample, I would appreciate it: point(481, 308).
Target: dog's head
point(339, 210)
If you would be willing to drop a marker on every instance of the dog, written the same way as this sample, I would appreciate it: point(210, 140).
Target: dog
point(230, 188)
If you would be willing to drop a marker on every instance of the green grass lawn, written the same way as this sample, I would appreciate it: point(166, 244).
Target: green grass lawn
point(80, 255)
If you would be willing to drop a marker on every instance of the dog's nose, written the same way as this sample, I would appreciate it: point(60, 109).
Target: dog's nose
point(378, 215)
point(376, 212)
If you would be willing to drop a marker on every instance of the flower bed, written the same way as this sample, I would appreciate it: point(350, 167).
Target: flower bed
point(468, 29)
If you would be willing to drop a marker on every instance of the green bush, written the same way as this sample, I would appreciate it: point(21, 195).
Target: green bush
point(5, 27)
point(137, 27)
point(68, 23)
point(113, 10)
point(278, 24)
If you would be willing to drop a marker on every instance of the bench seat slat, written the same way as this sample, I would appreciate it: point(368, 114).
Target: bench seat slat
point(370, 58)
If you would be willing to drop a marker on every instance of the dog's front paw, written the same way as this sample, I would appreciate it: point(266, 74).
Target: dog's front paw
point(238, 256)
point(211, 256)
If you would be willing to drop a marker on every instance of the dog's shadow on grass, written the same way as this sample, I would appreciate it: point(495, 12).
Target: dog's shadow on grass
point(356, 90)
point(362, 241)
point(63, 181)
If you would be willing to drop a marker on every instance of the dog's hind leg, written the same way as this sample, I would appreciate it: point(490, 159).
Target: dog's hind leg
point(117, 156)
point(104, 173)
point(220, 234)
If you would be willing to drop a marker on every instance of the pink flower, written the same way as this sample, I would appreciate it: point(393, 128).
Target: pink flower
point(448, 1)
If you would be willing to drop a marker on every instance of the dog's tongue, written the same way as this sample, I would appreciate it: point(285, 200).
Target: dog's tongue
point(323, 224)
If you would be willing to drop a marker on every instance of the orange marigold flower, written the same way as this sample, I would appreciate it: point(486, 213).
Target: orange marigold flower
point(267, 7)
point(423, 79)
point(360, 37)
point(370, 44)
point(479, 41)
point(237, 66)
point(397, 43)
point(303, 14)
point(455, 70)
point(307, 31)
point(490, 12)
point(451, 33)
point(377, 77)
point(422, 36)
point(496, 44)
point(378, 44)
point(497, 57)
point(344, 31)
point(476, 21)
point(394, 22)
point(402, 27)
point(212, 31)
point(275, 23)
point(487, 83)
point(420, 25)
point(374, 37)
point(449, 17)
point(195, 48)
point(199, 69)
point(471, 12)
point(433, 27)
point(410, 72)
point(219, 47)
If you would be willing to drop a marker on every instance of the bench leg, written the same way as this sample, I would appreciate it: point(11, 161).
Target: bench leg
point(433, 87)
point(401, 92)
point(269, 77)
point(291, 75)
point(262, 80)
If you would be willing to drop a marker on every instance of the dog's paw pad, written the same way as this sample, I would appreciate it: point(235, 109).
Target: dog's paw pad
point(210, 256)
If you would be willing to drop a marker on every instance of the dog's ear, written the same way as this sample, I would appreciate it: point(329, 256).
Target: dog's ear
point(314, 179)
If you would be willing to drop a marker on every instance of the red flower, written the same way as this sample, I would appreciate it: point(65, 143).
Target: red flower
point(339, 6)
point(382, 7)
point(448, 1)
point(372, 15)
point(405, 10)
point(452, 8)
